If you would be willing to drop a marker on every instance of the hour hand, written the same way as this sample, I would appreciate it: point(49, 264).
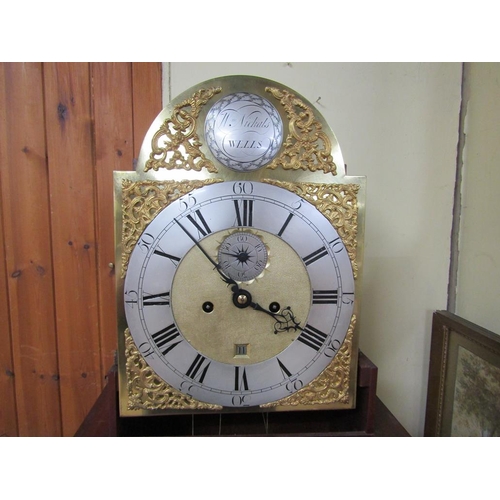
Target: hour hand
point(285, 321)
point(231, 254)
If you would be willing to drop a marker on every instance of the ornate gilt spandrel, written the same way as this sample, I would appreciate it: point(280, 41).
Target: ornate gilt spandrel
point(147, 391)
point(176, 144)
point(307, 146)
point(332, 386)
point(142, 201)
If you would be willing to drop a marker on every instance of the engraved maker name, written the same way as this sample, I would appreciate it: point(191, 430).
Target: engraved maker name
point(253, 120)
point(244, 123)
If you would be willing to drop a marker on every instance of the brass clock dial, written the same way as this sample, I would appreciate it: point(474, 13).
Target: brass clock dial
point(239, 343)
point(237, 257)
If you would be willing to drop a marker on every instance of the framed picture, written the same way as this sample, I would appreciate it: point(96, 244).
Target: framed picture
point(463, 395)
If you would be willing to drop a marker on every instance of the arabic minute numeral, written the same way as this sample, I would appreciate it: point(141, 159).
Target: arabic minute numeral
point(332, 348)
point(145, 349)
point(145, 242)
point(242, 188)
point(187, 202)
point(131, 298)
point(294, 385)
point(348, 298)
point(337, 245)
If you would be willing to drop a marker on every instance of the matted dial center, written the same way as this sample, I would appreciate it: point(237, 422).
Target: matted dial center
point(232, 320)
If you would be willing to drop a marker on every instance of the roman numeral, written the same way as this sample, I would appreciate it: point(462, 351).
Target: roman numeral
point(175, 260)
point(244, 212)
point(325, 296)
point(336, 244)
point(313, 257)
point(284, 370)
point(240, 379)
point(202, 230)
point(198, 368)
point(165, 339)
point(158, 299)
point(312, 337)
point(283, 227)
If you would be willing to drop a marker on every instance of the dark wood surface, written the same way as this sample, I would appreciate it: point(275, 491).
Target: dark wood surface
point(370, 418)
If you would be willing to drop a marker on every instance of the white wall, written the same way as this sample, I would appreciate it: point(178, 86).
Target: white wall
point(478, 290)
point(397, 125)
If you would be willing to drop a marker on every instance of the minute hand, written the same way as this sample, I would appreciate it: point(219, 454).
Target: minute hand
point(225, 278)
point(283, 323)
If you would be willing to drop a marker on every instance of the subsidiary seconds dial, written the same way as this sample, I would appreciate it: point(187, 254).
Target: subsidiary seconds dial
point(242, 256)
point(202, 320)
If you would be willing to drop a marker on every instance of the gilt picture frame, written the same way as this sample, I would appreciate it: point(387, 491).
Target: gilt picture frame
point(463, 396)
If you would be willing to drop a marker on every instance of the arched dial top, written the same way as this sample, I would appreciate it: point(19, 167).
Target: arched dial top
point(239, 342)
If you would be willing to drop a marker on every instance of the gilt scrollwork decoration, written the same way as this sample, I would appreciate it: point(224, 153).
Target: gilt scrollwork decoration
point(332, 385)
point(142, 201)
point(176, 145)
point(306, 146)
point(147, 391)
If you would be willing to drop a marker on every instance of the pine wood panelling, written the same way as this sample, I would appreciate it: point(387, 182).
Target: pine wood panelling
point(71, 175)
point(114, 150)
point(146, 80)
point(64, 128)
point(28, 257)
point(8, 418)
point(126, 99)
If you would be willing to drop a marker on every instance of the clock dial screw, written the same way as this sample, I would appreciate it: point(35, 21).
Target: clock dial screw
point(242, 299)
point(208, 307)
point(274, 307)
